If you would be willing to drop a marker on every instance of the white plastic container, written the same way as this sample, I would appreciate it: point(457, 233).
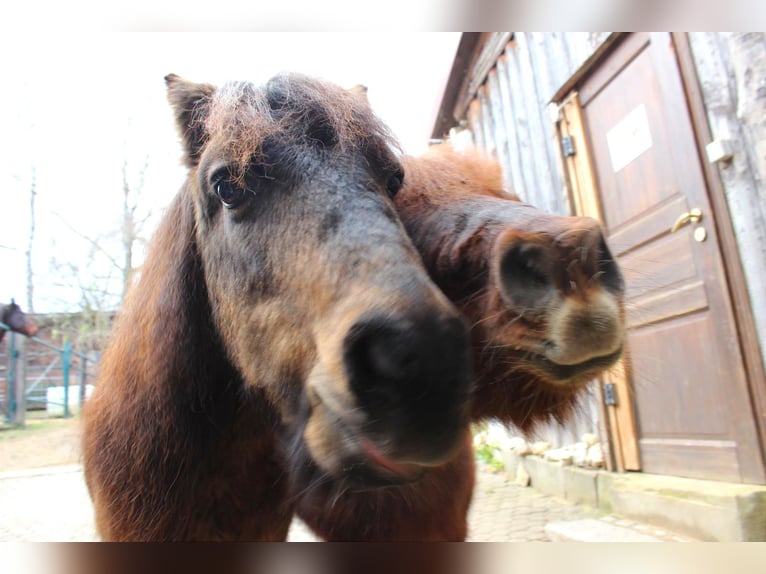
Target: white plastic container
point(55, 399)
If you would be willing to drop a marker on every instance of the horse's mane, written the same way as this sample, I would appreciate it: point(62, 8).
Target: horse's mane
point(174, 393)
point(442, 173)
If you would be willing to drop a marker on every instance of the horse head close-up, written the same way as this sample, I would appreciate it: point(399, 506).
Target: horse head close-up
point(280, 292)
point(545, 304)
point(542, 292)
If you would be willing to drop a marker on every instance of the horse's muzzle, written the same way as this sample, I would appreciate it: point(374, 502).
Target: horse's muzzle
point(411, 378)
point(404, 405)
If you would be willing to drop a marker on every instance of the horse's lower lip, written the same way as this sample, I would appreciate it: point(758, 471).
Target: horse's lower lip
point(563, 373)
point(370, 473)
point(368, 463)
point(401, 470)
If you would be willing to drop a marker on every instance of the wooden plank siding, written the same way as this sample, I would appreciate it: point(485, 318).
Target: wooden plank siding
point(503, 101)
point(514, 175)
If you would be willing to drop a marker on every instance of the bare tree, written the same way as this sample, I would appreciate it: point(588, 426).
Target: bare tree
point(132, 225)
point(28, 254)
point(103, 276)
point(128, 234)
point(88, 329)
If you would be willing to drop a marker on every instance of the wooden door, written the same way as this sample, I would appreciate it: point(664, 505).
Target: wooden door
point(684, 378)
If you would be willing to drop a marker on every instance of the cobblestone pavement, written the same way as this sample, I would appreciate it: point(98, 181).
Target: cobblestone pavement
point(52, 505)
point(504, 512)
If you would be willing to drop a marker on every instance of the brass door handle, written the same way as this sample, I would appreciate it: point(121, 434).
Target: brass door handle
point(691, 216)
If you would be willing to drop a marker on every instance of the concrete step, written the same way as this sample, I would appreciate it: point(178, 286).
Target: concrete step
point(706, 510)
point(608, 529)
point(699, 509)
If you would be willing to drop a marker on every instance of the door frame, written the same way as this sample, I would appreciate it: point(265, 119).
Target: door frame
point(619, 421)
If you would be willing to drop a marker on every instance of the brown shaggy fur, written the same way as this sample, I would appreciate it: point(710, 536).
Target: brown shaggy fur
point(466, 228)
point(433, 509)
point(169, 456)
point(279, 295)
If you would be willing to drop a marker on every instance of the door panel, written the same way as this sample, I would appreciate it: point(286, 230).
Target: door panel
point(664, 263)
point(688, 385)
point(715, 460)
point(676, 381)
point(648, 226)
point(667, 304)
point(651, 173)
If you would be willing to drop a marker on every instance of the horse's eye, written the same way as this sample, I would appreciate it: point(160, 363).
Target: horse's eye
point(394, 183)
point(231, 195)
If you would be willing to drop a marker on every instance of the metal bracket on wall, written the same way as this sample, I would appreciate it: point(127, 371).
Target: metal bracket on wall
point(567, 146)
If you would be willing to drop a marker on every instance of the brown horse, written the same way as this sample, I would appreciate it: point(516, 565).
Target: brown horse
point(12, 316)
point(280, 288)
point(544, 299)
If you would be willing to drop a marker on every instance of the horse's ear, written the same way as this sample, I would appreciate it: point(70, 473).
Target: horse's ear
point(191, 103)
point(360, 91)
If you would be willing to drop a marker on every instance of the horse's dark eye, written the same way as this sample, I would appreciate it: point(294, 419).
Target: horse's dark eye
point(231, 195)
point(394, 183)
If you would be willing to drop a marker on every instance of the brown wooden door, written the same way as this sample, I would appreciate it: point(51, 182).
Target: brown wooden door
point(694, 415)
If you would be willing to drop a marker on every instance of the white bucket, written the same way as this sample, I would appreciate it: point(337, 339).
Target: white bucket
point(55, 399)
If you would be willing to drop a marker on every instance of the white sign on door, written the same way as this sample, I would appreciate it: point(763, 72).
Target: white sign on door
point(629, 138)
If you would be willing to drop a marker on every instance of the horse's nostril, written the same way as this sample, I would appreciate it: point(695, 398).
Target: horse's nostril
point(389, 358)
point(609, 272)
point(380, 358)
point(403, 366)
point(524, 273)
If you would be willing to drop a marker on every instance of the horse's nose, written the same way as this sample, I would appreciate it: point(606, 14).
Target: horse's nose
point(565, 278)
point(569, 259)
point(411, 377)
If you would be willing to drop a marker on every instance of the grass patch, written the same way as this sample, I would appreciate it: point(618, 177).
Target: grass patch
point(489, 455)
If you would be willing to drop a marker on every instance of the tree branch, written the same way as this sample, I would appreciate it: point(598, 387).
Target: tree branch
point(93, 242)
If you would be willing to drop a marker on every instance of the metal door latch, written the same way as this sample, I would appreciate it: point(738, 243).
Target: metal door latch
point(691, 216)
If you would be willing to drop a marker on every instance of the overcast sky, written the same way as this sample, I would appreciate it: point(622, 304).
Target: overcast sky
point(74, 108)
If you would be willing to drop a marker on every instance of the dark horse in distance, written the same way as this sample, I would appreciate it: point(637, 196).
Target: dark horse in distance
point(12, 316)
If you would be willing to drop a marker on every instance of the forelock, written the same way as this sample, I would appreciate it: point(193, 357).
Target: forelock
point(285, 111)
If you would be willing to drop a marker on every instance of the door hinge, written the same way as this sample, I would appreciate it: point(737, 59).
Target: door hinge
point(567, 146)
point(610, 395)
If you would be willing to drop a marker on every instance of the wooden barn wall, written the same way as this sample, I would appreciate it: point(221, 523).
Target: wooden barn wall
point(509, 116)
point(731, 69)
